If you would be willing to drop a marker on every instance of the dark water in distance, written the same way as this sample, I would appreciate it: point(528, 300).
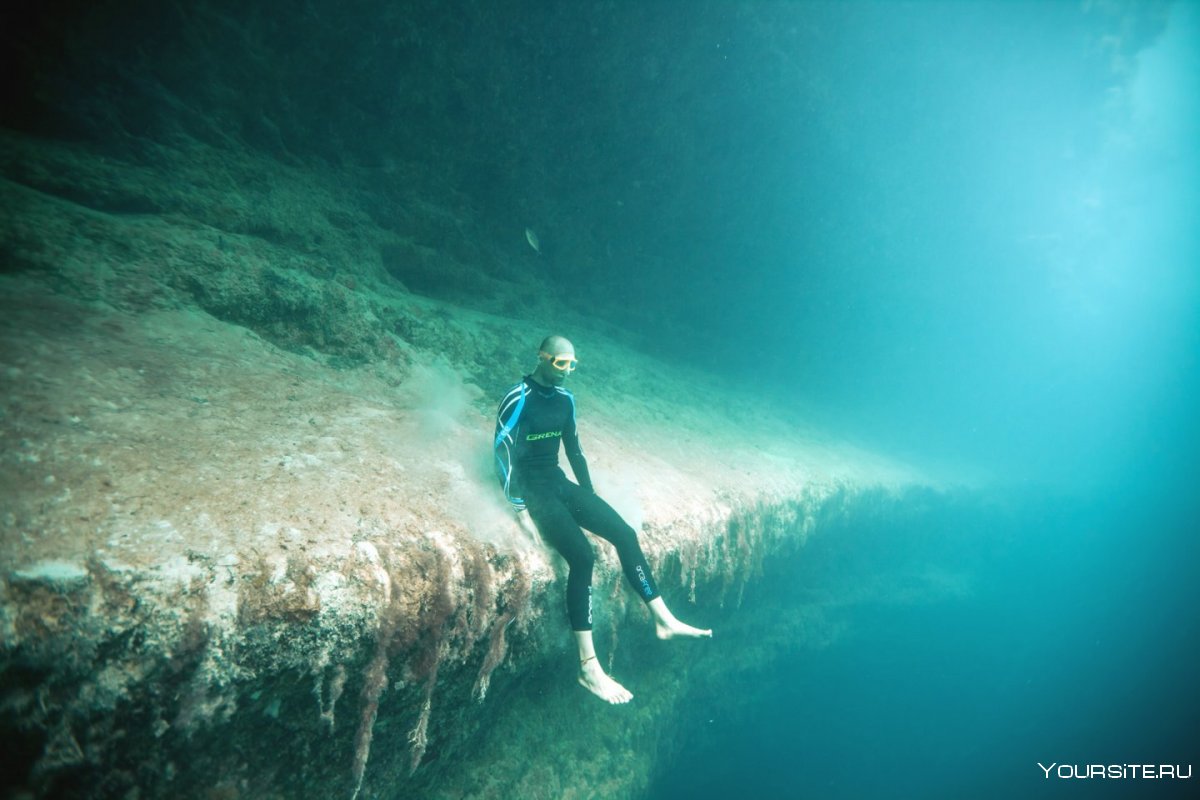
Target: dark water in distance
point(1078, 645)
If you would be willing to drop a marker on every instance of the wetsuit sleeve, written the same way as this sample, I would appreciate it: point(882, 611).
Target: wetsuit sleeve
point(579, 465)
point(507, 419)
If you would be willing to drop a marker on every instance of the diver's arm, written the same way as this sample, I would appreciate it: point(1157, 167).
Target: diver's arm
point(580, 468)
point(507, 419)
point(575, 456)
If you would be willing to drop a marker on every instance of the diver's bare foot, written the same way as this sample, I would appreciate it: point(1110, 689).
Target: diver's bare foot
point(673, 628)
point(592, 678)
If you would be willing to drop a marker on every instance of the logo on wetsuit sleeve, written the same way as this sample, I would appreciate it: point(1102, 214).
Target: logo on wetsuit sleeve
point(533, 437)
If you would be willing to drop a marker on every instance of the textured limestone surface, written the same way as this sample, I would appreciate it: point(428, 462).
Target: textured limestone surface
point(251, 542)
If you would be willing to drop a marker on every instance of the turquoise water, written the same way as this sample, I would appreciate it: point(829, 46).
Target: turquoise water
point(1004, 275)
point(960, 234)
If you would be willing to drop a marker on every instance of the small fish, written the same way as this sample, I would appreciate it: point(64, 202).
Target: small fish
point(533, 240)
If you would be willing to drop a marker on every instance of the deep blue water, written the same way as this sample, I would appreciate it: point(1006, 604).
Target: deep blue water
point(1078, 645)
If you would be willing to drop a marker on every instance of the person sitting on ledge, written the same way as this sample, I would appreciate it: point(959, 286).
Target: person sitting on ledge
point(534, 416)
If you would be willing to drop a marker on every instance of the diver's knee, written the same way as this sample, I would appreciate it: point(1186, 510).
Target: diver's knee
point(625, 538)
point(582, 561)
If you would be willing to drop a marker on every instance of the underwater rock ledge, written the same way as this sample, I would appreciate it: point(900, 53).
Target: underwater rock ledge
point(234, 571)
point(337, 677)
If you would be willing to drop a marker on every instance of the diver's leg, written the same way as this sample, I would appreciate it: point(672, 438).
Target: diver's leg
point(558, 528)
point(600, 518)
point(597, 516)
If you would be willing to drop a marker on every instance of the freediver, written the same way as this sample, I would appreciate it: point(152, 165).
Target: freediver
point(534, 416)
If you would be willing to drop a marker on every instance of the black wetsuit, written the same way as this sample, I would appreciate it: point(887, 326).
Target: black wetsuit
point(532, 420)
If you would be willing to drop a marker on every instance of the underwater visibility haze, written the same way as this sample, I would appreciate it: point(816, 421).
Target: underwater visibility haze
point(887, 318)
